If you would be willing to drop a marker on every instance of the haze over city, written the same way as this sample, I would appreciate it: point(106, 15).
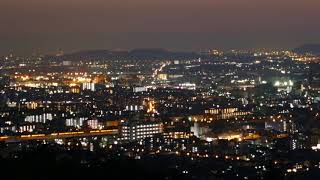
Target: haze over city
point(47, 25)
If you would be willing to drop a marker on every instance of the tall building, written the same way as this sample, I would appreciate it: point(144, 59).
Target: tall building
point(133, 130)
point(88, 86)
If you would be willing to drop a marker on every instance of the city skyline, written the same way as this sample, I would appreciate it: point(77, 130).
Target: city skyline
point(160, 89)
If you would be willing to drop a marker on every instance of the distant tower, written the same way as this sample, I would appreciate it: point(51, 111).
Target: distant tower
point(196, 129)
point(259, 80)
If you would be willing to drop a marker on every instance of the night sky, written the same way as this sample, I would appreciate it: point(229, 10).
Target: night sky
point(173, 24)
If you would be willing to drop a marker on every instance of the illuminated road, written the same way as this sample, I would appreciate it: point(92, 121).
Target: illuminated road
point(60, 135)
point(156, 71)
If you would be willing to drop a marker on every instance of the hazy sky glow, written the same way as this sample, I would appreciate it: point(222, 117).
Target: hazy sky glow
point(173, 24)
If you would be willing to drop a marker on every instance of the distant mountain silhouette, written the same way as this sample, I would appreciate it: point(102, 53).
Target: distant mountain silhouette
point(139, 54)
point(308, 48)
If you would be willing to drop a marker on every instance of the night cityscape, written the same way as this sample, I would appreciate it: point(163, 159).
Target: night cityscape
point(132, 99)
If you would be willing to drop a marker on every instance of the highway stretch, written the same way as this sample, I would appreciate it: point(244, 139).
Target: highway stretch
point(60, 135)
